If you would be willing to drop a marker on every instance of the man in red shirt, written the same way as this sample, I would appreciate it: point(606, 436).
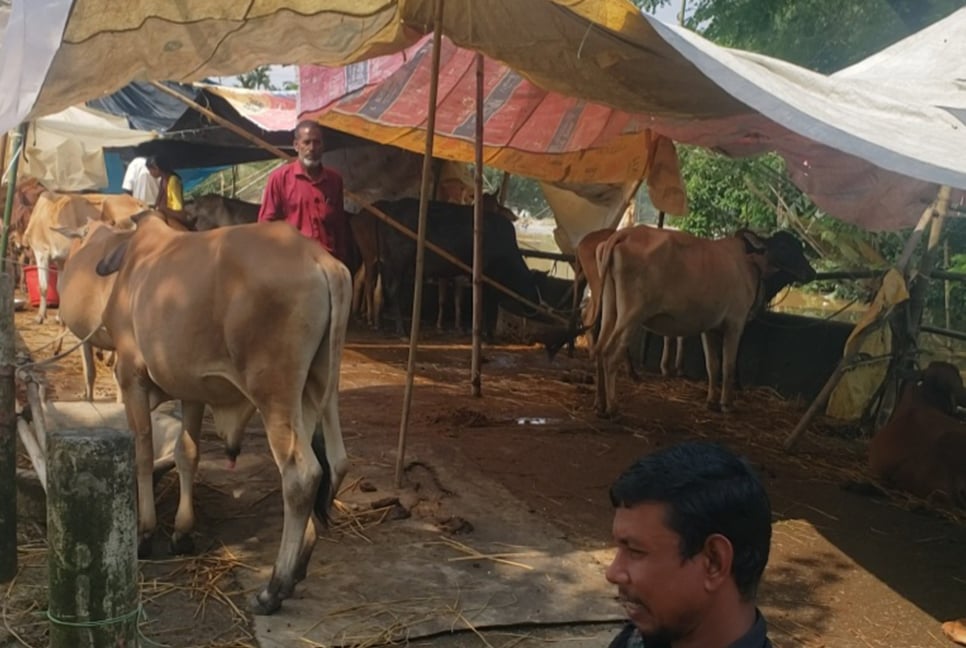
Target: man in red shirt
point(307, 195)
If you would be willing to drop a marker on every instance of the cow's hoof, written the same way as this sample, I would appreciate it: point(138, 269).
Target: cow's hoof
point(264, 603)
point(956, 631)
point(182, 545)
point(713, 406)
point(145, 547)
point(727, 408)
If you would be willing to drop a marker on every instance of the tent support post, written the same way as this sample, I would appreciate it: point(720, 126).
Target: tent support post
point(420, 243)
point(8, 415)
point(476, 380)
point(909, 323)
point(847, 361)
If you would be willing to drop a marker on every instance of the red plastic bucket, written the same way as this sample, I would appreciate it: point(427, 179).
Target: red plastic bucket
point(33, 288)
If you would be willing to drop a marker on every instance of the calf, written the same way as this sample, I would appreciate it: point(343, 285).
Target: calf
point(922, 448)
point(211, 211)
point(450, 227)
point(365, 232)
point(679, 285)
point(241, 318)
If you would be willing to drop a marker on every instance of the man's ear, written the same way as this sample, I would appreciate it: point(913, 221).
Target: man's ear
point(718, 554)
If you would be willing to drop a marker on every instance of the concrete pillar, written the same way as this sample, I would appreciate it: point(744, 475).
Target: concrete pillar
point(92, 538)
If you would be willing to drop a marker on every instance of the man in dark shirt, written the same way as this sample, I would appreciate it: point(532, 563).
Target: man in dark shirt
point(692, 525)
point(307, 195)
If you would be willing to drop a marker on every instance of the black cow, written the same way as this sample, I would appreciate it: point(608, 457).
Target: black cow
point(211, 211)
point(450, 227)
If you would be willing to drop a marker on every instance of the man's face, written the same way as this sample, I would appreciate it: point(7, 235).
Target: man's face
point(664, 595)
point(308, 146)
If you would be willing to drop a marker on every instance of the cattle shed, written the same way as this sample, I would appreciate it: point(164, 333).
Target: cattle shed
point(877, 145)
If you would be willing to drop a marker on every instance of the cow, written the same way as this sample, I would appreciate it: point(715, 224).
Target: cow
point(587, 276)
point(450, 226)
point(238, 318)
point(211, 211)
point(50, 213)
point(677, 285)
point(84, 293)
point(956, 630)
point(116, 209)
point(365, 298)
point(922, 447)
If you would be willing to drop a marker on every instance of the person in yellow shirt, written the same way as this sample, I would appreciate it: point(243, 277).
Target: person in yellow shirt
point(170, 193)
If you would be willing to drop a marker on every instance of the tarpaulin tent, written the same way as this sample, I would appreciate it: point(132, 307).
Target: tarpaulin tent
point(65, 151)
point(863, 155)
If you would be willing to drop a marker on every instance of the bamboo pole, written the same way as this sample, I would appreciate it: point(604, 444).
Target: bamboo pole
point(8, 414)
point(907, 328)
point(476, 379)
point(848, 360)
point(218, 119)
point(420, 242)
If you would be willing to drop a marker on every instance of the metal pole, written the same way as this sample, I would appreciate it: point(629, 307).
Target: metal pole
point(420, 242)
point(476, 380)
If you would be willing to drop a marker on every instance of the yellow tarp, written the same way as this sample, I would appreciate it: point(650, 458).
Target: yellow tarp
point(859, 384)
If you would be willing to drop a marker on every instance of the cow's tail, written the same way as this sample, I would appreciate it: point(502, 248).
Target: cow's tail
point(603, 306)
point(326, 364)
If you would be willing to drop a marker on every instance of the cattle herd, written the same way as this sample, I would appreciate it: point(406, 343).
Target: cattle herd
point(241, 316)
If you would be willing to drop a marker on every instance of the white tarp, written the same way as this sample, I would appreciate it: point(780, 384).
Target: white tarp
point(65, 151)
point(864, 153)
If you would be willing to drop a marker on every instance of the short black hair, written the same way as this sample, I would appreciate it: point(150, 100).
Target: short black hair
point(707, 490)
point(160, 161)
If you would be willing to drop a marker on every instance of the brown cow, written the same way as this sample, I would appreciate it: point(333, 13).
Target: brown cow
point(956, 630)
point(922, 448)
point(679, 285)
point(51, 213)
point(241, 318)
point(211, 211)
point(84, 293)
point(586, 271)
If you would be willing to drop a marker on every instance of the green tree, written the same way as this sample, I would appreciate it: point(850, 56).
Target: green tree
point(257, 78)
point(822, 35)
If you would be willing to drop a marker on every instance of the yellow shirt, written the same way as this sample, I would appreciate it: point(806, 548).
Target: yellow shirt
point(173, 197)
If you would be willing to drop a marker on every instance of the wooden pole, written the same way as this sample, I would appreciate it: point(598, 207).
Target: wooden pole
point(18, 138)
point(221, 121)
point(476, 379)
point(8, 432)
point(947, 287)
point(847, 361)
point(906, 329)
point(420, 242)
point(8, 413)
point(93, 597)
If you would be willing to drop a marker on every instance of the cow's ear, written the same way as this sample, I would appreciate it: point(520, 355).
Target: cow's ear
point(754, 244)
point(112, 262)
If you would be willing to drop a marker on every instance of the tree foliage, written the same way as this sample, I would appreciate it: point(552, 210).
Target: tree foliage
point(822, 35)
point(256, 79)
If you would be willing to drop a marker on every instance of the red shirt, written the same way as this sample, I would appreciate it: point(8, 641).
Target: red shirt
point(313, 207)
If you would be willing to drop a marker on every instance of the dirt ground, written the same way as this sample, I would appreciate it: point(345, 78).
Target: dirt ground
point(846, 569)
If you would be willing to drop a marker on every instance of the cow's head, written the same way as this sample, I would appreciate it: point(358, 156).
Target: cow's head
point(942, 387)
point(780, 258)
